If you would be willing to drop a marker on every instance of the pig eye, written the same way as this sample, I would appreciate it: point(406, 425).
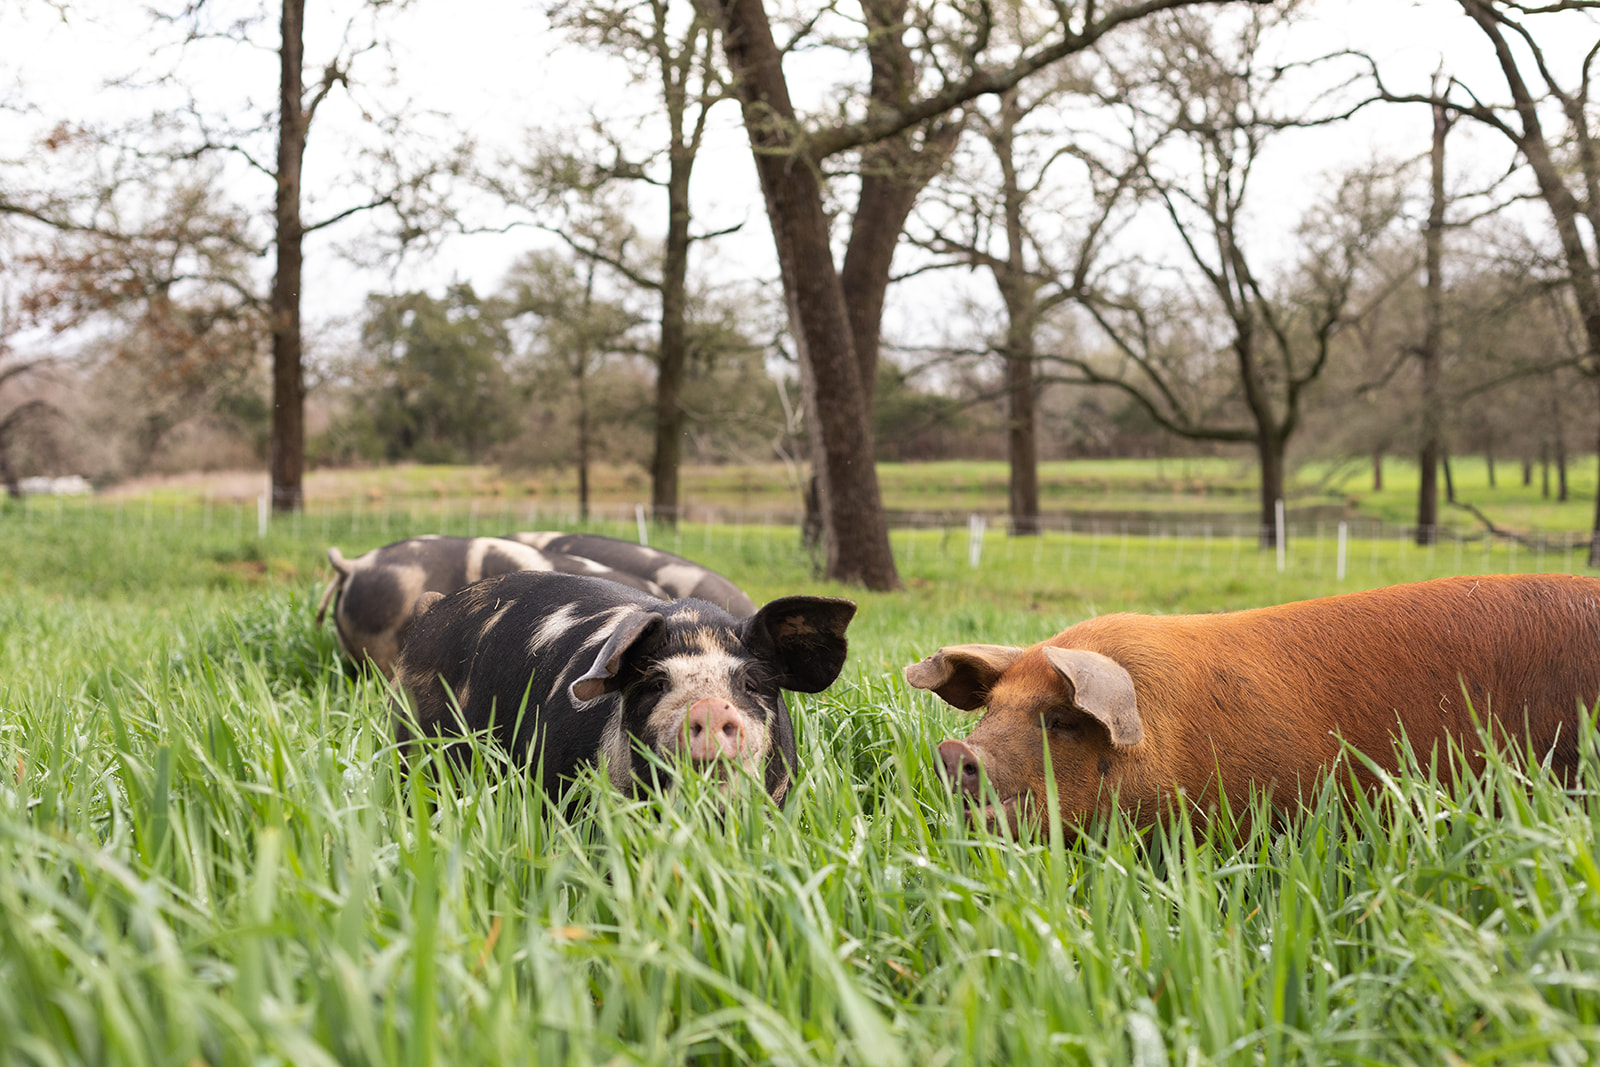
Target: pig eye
point(653, 684)
point(1062, 724)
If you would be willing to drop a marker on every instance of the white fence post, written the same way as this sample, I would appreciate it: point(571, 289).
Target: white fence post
point(1277, 518)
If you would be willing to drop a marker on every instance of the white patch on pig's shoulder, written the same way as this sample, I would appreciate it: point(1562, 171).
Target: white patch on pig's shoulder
point(412, 581)
point(552, 626)
point(678, 576)
point(494, 619)
point(477, 548)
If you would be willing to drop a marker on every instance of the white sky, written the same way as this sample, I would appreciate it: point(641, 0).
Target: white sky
point(492, 69)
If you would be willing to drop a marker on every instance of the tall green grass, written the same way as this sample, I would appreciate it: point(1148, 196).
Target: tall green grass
point(209, 852)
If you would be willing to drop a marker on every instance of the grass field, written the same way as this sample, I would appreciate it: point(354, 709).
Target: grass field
point(208, 854)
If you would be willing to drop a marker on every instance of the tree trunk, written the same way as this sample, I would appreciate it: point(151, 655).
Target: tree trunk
point(674, 355)
point(894, 172)
point(1428, 492)
point(1019, 291)
point(1270, 450)
point(1527, 471)
point(1022, 440)
point(1561, 469)
point(1377, 470)
point(583, 443)
point(288, 448)
point(1428, 354)
point(1449, 479)
point(855, 534)
point(1488, 459)
point(1558, 438)
point(1594, 539)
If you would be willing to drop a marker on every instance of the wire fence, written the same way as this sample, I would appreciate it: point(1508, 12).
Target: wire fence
point(1320, 546)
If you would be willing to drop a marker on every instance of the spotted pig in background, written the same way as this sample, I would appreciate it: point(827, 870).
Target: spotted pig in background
point(562, 670)
point(375, 594)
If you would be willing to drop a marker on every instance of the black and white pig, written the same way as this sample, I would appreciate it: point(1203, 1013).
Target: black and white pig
point(565, 670)
point(375, 594)
point(678, 576)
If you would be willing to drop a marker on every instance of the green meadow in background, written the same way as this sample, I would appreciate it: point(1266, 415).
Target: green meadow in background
point(209, 854)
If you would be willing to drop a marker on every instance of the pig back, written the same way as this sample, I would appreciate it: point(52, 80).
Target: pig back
point(499, 655)
point(1270, 694)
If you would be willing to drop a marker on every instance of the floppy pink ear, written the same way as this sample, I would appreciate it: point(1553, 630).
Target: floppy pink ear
point(1102, 688)
point(963, 675)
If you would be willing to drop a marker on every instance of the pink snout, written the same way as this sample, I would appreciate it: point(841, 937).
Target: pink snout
point(715, 729)
point(959, 764)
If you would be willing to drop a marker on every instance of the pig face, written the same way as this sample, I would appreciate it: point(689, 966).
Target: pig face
point(1076, 704)
point(686, 684)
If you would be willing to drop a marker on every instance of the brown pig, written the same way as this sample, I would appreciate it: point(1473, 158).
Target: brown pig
point(1147, 711)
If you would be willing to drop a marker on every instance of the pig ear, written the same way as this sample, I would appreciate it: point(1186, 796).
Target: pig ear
point(1101, 687)
point(962, 675)
point(601, 677)
point(424, 602)
point(803, 638)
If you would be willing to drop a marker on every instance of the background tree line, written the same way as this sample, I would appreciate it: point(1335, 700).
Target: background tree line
point(1028, 230)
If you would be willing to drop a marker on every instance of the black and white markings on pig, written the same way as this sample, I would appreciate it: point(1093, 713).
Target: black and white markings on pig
point(373, 594)
point(678, 576)
point(563, 670)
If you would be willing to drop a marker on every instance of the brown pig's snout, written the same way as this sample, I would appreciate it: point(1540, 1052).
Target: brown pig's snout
point(959, 763)
point(715, 729)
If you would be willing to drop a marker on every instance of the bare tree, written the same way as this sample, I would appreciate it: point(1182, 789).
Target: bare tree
point(405, 187)
point(1210, 94)
point(1039, 250)
point(670, 46)
point(1564, 159)
point(570, 331)
point(1428, 355)
point(926, 63)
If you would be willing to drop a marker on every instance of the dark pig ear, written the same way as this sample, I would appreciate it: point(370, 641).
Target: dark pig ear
point(1101, 687)
point(424, 602)
point(963, 675)
point(803, 637)
point(601, 677)
point(418, 610)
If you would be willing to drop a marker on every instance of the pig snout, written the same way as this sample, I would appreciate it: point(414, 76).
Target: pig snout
point(959, 765)
point(714, 729)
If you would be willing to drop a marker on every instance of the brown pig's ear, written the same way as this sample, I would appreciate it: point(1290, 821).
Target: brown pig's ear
point(1101, 687)
point(962, 675)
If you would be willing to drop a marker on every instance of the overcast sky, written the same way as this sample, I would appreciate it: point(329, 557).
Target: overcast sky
point(494, 70)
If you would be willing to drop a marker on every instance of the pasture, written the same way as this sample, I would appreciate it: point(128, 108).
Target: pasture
point(208, 853)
